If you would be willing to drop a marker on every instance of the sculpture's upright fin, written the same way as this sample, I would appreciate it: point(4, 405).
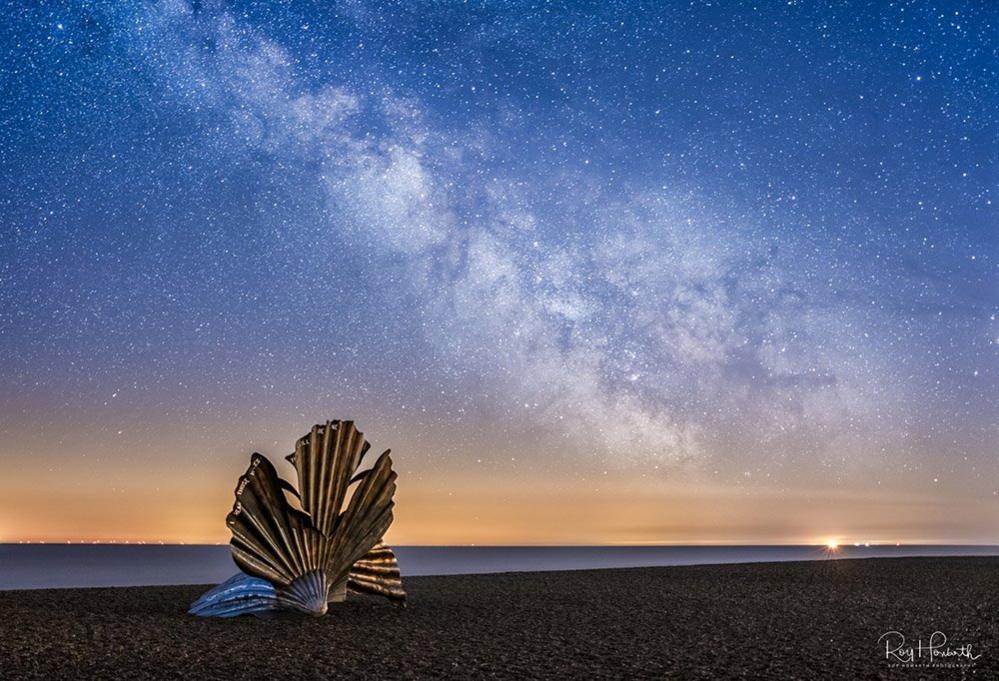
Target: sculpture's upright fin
point(377, 573)
point(365, 521)
point(325, 460)
point(270, 539)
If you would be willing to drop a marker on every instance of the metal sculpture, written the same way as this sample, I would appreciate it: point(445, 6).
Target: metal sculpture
point(301, 549)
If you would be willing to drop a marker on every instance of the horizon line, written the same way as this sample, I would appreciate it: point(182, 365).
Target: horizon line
point(819, 544)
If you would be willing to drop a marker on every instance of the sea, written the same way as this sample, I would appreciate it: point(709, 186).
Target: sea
point(44, 566)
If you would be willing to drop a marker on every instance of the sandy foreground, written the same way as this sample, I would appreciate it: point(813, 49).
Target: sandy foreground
point(775, 620)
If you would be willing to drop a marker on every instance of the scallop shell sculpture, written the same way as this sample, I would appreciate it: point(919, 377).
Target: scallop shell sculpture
point(301, 549)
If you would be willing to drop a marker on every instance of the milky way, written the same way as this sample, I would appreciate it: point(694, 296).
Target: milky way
point(754, 246)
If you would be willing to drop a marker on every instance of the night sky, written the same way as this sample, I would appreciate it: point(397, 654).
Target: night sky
point(596, 272)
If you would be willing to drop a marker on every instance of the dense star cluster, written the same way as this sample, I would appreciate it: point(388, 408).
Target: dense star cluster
point(750, 243)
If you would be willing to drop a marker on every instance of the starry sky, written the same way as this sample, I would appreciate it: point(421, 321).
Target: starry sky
point(597, 272)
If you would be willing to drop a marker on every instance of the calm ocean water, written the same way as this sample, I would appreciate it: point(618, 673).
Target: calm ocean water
point(35, 566)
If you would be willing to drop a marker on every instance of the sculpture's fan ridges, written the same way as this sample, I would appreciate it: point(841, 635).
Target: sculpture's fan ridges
point(377, 573)
point(301, 558)
point(325, 460)
point(270, 539)
point(307, 593)
point(239, 595)
point(366, 519)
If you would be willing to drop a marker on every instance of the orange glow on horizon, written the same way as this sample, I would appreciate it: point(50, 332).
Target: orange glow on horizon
point(464, 509)
point(177, 487)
